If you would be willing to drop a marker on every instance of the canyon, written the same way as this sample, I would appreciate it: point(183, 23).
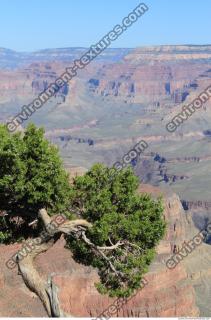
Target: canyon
point(122, 97)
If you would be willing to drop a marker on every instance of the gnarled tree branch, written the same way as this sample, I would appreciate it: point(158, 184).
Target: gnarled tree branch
point(45, 289)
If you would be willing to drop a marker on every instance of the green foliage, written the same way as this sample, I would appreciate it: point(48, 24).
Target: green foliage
point(111, 203)
point(31, 175)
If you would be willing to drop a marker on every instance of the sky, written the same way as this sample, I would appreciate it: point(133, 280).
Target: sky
point(30, 25)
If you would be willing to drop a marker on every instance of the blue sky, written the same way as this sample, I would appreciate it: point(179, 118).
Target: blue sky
point(28, 25)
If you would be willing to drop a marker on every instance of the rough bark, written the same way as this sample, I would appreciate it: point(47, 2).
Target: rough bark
point(45, 289)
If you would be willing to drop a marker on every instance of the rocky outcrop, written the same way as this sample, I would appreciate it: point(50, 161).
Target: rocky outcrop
point(151, 74)
point(196, 204)
point(170, 53)
point(147, 82)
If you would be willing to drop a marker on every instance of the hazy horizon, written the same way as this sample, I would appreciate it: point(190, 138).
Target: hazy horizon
point(110, 47)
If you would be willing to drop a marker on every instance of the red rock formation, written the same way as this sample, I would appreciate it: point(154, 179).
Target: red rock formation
point(142, 82)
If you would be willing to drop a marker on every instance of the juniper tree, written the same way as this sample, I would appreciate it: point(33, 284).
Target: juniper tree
point(107, 225)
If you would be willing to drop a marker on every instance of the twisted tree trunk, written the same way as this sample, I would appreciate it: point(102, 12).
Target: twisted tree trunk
point(35, 282)
point(45, 289)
